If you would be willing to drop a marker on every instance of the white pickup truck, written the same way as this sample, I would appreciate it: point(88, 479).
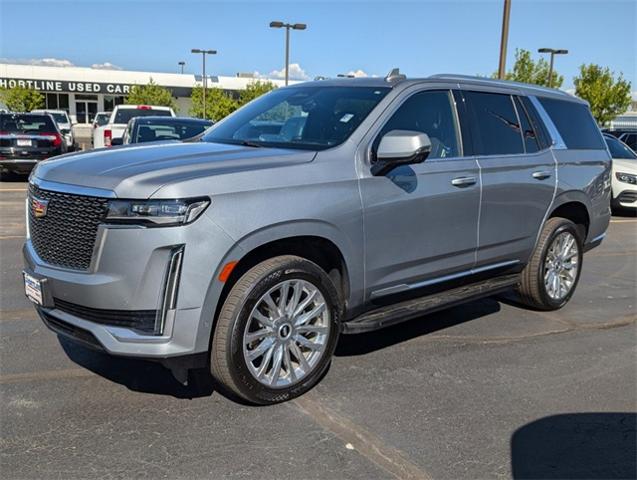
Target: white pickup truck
point(104, 135)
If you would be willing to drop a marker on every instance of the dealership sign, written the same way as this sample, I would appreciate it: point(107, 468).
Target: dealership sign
point(79, 87)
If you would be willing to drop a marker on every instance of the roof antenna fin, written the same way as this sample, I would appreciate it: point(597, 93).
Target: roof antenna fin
point(395, 75)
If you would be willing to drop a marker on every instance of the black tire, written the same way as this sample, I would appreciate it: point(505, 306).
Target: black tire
point(532, 289)
point(228, 365)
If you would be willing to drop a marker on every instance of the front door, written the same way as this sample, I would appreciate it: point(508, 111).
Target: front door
point(421, 220)
point(518, 176)
point(85, 111)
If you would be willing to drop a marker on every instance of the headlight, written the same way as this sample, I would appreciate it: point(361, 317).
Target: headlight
point(626, 178)
point(156, 213)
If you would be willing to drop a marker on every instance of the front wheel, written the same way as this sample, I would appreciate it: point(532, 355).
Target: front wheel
point(549, 280)
point(276, 331)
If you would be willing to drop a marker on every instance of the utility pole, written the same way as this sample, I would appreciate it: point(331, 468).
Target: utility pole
point(504, 39)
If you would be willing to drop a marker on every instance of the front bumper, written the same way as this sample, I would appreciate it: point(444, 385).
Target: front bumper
point(130, 272)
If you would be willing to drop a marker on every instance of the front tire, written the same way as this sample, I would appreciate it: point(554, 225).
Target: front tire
point(551, 276)
point(276, 331)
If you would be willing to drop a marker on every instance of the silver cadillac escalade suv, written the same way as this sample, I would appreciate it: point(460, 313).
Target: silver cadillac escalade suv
point(325, 208)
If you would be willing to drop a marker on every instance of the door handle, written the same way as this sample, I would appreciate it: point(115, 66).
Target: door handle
point(463, 181)
point(541, 175)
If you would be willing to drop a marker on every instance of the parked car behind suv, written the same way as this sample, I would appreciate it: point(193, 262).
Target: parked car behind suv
point(114, 129)
point(64, 124)
point(328, 207)
point(26, 139)
point(153, 129)
point(624, 175)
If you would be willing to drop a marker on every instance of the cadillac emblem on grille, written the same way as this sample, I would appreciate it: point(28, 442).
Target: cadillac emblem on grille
point(39, 207)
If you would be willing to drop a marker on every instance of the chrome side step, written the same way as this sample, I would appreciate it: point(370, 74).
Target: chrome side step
point(399, 312)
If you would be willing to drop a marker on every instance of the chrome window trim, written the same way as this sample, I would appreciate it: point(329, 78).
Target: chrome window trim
point(558, 142)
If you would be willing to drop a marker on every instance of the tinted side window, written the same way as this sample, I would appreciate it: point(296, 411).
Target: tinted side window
point(531, 143)
point(543, 137)
point(494, 124)
point(431, 113)
point(575, 124)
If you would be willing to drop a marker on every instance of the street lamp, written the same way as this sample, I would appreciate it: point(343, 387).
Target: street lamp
point(553, 52)
point(205, 80)
point(288, 26)
point(181, 65)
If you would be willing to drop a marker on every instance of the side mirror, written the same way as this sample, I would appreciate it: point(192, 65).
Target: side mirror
point(400, 147)
point(117, 141)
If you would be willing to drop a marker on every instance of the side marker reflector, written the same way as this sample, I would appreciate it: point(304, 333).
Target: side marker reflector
point(226, 271)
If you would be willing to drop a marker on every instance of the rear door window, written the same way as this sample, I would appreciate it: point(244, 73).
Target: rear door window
point(495, 126)
point(575, 124)
point(531, 144)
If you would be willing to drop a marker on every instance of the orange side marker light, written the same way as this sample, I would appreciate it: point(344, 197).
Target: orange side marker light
point(226, 271)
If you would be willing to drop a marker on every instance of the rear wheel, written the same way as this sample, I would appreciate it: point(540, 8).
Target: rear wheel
point(550, 278)
point(276, 331)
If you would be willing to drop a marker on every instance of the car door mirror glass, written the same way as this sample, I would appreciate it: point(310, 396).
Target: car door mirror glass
point(400, 147)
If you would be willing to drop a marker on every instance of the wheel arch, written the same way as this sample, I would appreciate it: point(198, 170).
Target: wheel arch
point(574, 206)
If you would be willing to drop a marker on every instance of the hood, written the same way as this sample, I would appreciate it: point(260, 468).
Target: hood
point(139, 170)
point(625, 165)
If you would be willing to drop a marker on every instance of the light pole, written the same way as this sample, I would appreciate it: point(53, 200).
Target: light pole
point(181, 65)
point(504, 39)
point(553, 52)
point(205, 80)
point(288, 26)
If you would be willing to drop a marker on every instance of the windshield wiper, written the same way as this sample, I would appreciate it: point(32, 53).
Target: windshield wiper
point(248, 143)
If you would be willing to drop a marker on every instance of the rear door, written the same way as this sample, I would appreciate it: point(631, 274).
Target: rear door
point(420, 221)
point(518, 173)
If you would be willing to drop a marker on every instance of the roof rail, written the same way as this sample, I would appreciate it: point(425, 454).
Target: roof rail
point(497, 81)
point(395, 76)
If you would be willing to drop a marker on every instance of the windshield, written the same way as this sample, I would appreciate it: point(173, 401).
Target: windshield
point(153, 130)
point(25, 124)
point(619, 150)
point(123, 115)
point(311, 118)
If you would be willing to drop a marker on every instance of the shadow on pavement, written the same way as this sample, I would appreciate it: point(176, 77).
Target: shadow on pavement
point(576, 446)
point(363, 343)
point(138, 375)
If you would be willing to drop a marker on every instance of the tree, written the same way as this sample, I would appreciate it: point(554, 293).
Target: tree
point(527, 70)
point(150, 94)
point(607, 96)
point(254, 90)
point(218, 103)
point(22, 99)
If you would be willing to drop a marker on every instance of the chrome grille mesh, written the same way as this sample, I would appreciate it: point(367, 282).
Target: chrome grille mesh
point(66, 235)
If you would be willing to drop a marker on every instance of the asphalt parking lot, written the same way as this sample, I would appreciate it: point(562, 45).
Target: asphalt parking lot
point(484, 390)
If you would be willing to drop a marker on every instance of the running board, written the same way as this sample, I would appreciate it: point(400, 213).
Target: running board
point(409, 309)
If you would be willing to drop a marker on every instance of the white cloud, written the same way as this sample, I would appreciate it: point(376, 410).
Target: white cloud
point(357, 73)
point(45, 62)
point(295, 73)
point(105, 66)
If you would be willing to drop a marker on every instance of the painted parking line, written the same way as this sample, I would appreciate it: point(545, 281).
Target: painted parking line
point(623, 220)
point(393, 461)
point(13, 189)
point(11, 237)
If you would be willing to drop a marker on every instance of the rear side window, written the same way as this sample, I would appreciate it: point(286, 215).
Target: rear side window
point(494, 123)
point(575, 124)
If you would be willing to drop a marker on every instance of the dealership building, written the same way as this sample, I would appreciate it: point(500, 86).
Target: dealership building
point(83, 92)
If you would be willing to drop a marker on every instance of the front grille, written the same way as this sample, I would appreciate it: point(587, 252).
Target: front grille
point(140, 320)
point(65, 235)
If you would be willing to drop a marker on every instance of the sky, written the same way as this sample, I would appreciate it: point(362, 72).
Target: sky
point(367, 37)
